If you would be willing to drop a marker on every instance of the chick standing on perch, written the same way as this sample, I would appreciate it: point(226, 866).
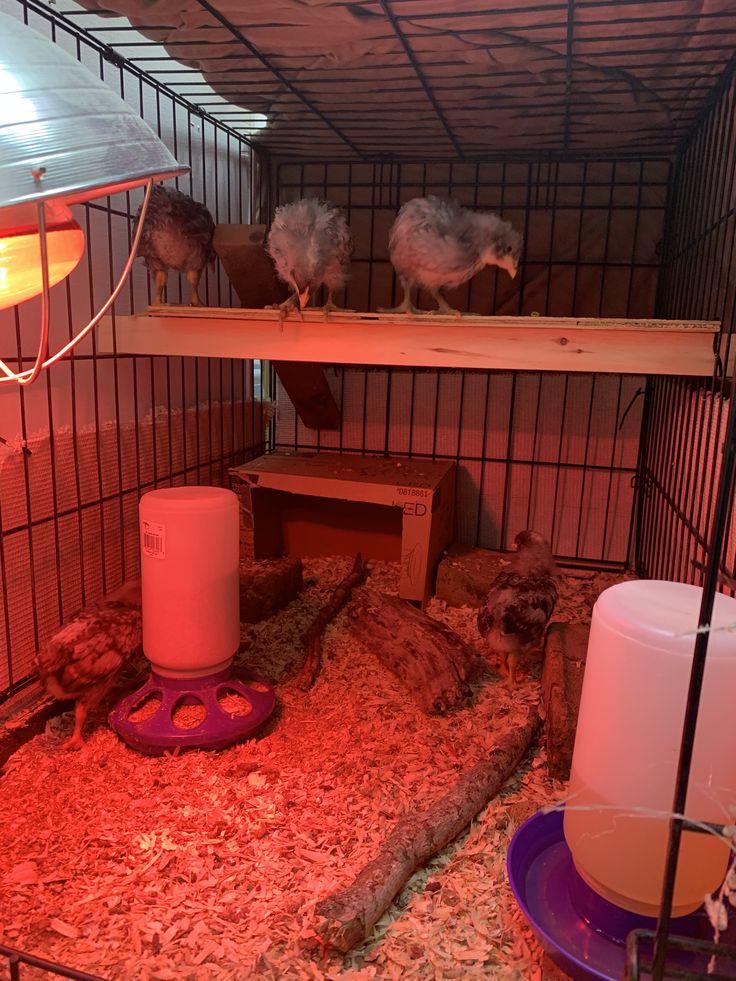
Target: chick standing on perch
point(520, 602)
point(437, 244)
point(177, 234)
point(84, 658)
point(310, 244)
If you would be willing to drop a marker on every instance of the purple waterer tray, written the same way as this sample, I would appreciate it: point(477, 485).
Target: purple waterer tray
point(159, 734)
point(581, 931)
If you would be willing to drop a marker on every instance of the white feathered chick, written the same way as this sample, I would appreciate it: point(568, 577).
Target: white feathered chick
point(520, 601)
point(177, 234)
point(437, 244)
point(84, 658)
point(310, 244)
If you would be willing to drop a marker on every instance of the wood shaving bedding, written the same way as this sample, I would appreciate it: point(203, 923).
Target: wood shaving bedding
point(207, 866)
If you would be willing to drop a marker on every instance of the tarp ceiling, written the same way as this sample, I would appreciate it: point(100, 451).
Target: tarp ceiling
point(450, 78)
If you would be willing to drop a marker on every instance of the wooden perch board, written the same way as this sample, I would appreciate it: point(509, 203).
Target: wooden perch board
point(636, 347)
point(347, 917)
point(251, 271)
point(309, 393)
point(424, 654)
point(248, 267)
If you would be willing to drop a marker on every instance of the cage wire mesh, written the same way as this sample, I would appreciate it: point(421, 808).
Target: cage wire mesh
point(553, 451)
point(556, 451)
point(97, 431)
point(390, 78)
point(625, 193)
point(686, 418)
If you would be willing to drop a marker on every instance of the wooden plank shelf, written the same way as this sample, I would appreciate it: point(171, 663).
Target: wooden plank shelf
point(639, 347)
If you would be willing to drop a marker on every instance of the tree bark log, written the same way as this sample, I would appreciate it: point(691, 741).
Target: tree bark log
point(313, 637)
point(424, 654)
point(348, 916)
point(565, 651)
point(268, 585)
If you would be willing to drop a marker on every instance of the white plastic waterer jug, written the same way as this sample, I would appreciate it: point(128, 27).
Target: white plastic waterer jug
point(628, 740)
point(190, 579)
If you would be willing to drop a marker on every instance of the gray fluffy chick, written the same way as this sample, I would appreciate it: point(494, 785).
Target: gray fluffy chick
point(520, 602)
point(437, 244)
point(177, 234)
point(310, 244)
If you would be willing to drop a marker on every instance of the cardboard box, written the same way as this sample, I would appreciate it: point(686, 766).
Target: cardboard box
point(329, 503)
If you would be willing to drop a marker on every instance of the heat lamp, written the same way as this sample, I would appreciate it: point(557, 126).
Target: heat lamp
point(190, 578)
point(587, 878)
point(65, 138)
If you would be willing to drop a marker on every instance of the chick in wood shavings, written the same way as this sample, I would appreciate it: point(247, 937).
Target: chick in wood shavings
point(437, 244)
point(84, 658)
point(520, 602)
point(177, 234)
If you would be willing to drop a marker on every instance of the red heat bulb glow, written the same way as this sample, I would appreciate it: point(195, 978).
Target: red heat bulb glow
point(20, 254)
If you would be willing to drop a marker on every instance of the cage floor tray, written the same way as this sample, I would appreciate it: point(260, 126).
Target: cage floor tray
point(547, 887)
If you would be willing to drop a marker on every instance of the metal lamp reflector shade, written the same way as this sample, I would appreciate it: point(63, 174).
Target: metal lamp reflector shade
point(64, 136)
point(58, 116)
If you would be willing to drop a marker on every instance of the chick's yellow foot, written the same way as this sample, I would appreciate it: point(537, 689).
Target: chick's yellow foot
point(403, 308)
point(74, 742)
point(290, 304)
point(443, 307)
point(507, 668)
point(445, 312)
point(283, 308)
point(330, 307)
point(160, 279)
point(193, 277)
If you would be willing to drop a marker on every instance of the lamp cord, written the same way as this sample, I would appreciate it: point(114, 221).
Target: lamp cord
point(43, 341)
point(27, 376)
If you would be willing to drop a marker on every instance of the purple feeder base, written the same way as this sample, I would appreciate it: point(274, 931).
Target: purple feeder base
point(582, 932)
point(159, 734)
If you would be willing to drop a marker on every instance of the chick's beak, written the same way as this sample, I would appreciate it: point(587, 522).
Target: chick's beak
point(304, 298)
point(510, 265)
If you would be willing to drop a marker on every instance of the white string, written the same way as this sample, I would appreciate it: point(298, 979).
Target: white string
point(707, 629)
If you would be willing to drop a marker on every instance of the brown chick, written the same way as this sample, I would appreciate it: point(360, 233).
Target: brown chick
point(84, 658)
point(177, 234)
point(520, 602)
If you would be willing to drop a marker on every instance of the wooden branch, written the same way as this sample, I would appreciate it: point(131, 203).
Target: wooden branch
point(348, 916)
point(313, 637)
point(424, 654)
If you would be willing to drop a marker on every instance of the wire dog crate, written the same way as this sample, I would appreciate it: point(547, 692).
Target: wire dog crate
point(612, 147)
